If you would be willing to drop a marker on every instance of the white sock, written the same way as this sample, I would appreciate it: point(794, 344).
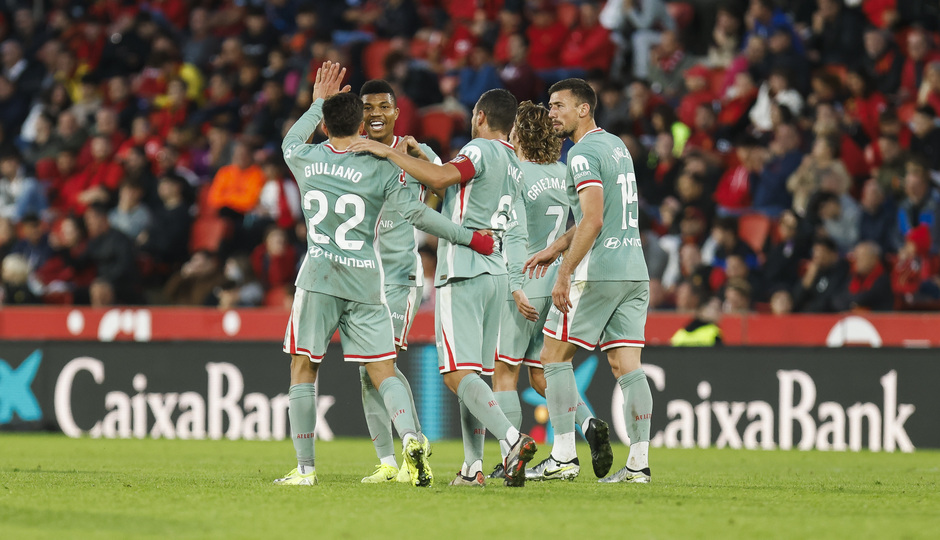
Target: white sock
point(563, 450)
point(512, 437)
point(639, 456)
point(473, 469)
point(305, 469)
point(585, 424)
point(407, 436)
point(390, 461)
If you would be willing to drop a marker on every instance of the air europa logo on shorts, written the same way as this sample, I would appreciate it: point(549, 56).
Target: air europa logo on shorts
point(612, 243)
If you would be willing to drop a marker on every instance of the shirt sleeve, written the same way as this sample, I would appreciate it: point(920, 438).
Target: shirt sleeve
point(301, 131)
point(469, 161)
point(584, 171)
point(421, 216)
point(515, 245)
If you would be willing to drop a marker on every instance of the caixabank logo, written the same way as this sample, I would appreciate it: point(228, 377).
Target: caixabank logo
point(16, 393)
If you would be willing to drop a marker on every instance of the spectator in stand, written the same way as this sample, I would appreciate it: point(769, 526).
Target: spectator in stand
point(587, 46)
point(726, 37)
point(836, 33)
point(259, 37)
point(929, 93)
point(26, 75)
point(824, 282)
point(890, 172)
point(783, 55)
point(106, 125)
point(737, 296)
point(663, 120)
point(640, 22)
point(781, 302)
point(69, 135)
point(877, 221)
point(274, 260)
point(240, 288)
point(736, 105)
point(690, 189)
point(476, 77)
point(20, 195)
point(14, 289)
point(864, 107)
point(120, 100)
point(837, 215)
point(399, 18)
point(517, 75)
point(665, 170)
point(642, 102)
point(882, 61)
point(725, 242)
point(668, 63)
point(777, 89)
point(112, 253)
point(869, 285)
point(782, 264)
point(199, 44)
point(763, 18)
point(770, 194)
point(167, 238)
point(828, 123)
point(688, 297)
point(925, 136)
point(176, 110)
point(546, 37)
point(33, 244)
point(733, 194)
point(914, 277)
point(236, 187)
point(97, 182)
point(14, 106)
point(698, 93)
point(823, 160)
point(279, 201)
point(196, 281)
point(919, 55)
point(130, 216)
point(921, 204)
point(267, 123)
point(703, 330)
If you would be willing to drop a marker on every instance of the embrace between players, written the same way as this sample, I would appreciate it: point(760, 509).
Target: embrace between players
point(569, 289)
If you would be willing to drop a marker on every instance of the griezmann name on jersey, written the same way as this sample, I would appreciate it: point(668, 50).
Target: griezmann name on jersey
point(601, 159)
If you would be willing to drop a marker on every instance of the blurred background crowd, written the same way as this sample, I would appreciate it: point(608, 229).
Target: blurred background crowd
point(787, 153)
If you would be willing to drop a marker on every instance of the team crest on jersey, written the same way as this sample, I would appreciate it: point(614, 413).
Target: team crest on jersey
point(401, 179)
point(473, 153)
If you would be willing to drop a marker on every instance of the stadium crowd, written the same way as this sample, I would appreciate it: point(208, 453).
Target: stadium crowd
point(787, 153)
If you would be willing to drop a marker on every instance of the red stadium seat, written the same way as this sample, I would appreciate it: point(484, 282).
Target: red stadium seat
point(208, 233)
point(753, 229)
point(373, 58)
point(438, 125)
point(682, 13)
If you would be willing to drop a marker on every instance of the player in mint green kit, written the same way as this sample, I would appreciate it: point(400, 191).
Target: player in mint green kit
point(540, 216)
point(605, 301)
point(480, 186)
point(340, 281)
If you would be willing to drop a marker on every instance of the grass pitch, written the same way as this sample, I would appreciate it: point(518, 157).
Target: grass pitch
point(55, 487)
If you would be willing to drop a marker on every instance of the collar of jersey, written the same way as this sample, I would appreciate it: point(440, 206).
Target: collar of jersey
point(509, 146)
point(335, 151)
point(595, 130)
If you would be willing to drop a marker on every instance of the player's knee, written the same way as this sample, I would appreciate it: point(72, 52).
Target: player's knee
point(505, 377)
point(302, 370)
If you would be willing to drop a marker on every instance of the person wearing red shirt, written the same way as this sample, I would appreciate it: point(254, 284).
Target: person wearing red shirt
point(274, 261)
point(97, 182)
point(865, 105)
point(175, 113)
point(106, 125)
point(696, 82)
point(510, 23)
point(546, 37)
point(919, 55)
point(588, 45)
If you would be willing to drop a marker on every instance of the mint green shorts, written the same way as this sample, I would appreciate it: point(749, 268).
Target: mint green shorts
point(606, 313)
point(466, 322)
point(520, 340)
point(403, 302)
point(365, 330)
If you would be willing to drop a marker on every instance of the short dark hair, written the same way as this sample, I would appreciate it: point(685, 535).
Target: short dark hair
point(826, 242)
point(342, 114)
point(727, 223)
point(499, 106)
point(378, 86)
point(580, 89)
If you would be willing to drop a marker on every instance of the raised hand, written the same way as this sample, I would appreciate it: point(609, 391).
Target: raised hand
point(329, 78)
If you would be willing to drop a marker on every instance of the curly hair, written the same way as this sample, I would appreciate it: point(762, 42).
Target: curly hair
point(534, 132)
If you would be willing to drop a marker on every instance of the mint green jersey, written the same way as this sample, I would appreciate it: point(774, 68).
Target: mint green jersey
point(601, 159)
point(539, 217)
point(485, 201)
point(343, 195)
point(397, 237)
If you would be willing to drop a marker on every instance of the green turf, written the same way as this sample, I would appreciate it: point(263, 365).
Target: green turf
point(55, 487)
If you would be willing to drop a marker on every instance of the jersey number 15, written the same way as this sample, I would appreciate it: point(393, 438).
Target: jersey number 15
point(628, 196)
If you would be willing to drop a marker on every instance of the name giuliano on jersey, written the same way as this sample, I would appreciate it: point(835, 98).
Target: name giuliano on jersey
point(343, 195)
point(539, 218)
point(601, 159)
point(484, 199)
point(397, 238)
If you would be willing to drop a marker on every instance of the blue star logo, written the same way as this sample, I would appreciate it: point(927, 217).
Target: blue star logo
point(583, 375)
point(16, 394)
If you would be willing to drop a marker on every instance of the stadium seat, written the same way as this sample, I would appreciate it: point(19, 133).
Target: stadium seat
point(682, 13)
point(208, 233)
point(438, 125)
point(373, 58)
point(753, 229)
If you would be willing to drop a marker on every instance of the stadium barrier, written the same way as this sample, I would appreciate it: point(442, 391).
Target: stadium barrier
point(877, 399)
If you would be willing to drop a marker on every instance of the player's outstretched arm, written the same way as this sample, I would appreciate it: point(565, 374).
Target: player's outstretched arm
point(430, 174)
point(328, 81)
point(430, 221)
